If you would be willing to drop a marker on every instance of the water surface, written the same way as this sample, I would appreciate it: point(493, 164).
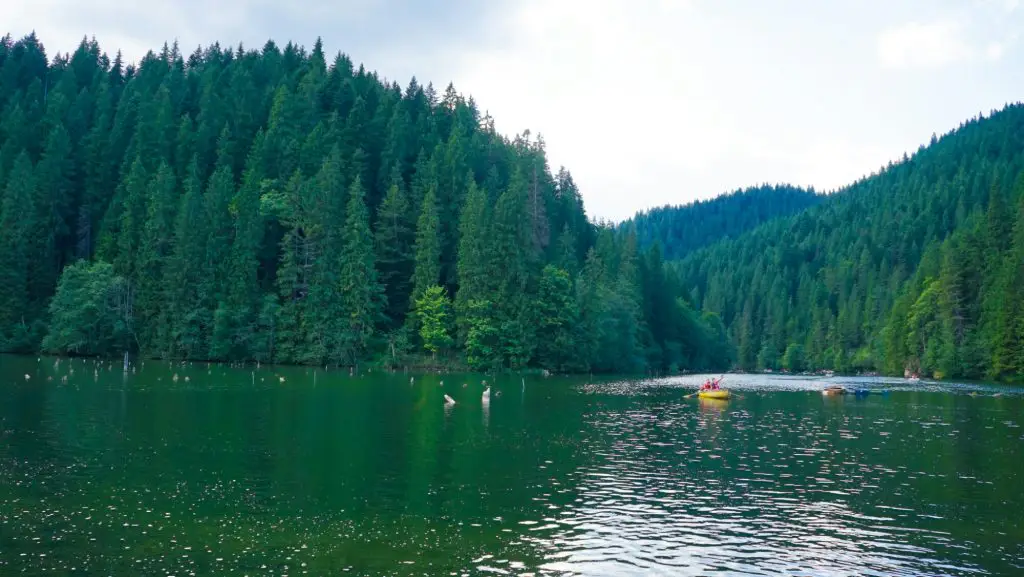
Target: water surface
point(292, 471)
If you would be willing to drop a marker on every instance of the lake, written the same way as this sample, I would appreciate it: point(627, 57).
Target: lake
point(296, 471)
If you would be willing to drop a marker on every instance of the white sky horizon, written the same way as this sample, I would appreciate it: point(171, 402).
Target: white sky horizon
point(649, 102)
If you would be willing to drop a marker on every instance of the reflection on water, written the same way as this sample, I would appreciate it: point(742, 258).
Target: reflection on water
point(276, 471)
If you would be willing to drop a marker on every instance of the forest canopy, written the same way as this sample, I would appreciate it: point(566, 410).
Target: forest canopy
point(270, 204)
point(681, 230)
point(917, 269)
point(242, 204)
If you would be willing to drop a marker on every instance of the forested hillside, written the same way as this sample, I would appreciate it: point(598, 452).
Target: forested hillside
point(683, 229)
point(917, 268)
point(240, 204)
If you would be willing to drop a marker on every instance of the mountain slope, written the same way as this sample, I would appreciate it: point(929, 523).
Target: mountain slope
point(240, 204)
point(916, 268)
point(682, 229)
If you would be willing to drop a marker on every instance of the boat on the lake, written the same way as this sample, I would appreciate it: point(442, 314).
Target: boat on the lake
point(828, 391)
point(720, 394)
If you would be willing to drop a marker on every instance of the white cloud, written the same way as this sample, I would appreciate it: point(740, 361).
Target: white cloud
point(917, 45)
point(660, 102)
point(995, 50)
point(646, 102)
point(619, 99)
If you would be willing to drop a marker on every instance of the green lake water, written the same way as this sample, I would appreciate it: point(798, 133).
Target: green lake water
point(296, 471)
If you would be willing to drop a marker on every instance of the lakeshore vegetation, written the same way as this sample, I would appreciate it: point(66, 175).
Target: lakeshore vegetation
point(280, 206)
point(268, 205)
point(916, 269)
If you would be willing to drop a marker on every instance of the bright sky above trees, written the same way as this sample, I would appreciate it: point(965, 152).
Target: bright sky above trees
point(647, 102)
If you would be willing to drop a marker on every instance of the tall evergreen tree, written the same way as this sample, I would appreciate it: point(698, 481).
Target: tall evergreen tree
point(213, 272)
point(16, 226)
point(361, 292)
point(55, 197)
point(475, 273)
point(325, 335)
point(241, 303)
point(133, 220)
point(154, 251)
point(428, 246)
point(184, 269)
point(394, 249)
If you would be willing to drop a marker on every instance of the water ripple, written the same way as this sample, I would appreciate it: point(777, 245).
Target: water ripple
point(561, 478)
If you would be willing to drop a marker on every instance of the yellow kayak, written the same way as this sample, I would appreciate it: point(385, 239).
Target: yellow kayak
point(718, 394)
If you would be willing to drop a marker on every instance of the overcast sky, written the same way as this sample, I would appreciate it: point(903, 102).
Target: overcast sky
point(646, 102)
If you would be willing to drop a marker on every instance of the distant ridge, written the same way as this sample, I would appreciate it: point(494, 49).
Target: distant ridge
point(917, 268)
point(682, 229)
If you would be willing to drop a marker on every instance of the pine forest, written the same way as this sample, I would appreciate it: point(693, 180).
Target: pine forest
point(275, 205)
point(268, 205)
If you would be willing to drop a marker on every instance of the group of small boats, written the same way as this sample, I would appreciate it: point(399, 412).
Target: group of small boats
point(834, 390)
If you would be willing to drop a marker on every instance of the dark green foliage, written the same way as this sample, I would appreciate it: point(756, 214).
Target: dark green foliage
point(264, 205)
point(427, 271)
point(482, 335)
point(55, 195)
point(16, 227)
point(557, 319)
point(325, 311)
point(475, 275)
point(261, 205)
point(154, 251)
point(182, 276)
point(90, 314)
point(913, 269)
point(394, 250)
point(241, 304)
point(361, 302)
point(684, 229)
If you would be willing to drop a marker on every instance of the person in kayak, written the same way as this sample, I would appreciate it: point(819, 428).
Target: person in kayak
point(711, 385)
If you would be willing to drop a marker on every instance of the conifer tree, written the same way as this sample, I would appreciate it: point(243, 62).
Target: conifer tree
point(325, 302)
point(214, 266)
point(394, 237)
point(154, 251)
point(427, 272)
point(16, 227)
point(557, 317)
point(184, 269)
point(55, 196)
point(475, 275)
point(361, 303)
point(242, 300)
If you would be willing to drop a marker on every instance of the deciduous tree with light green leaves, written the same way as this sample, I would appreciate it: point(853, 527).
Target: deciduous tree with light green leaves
point(86, 316)
point(793, 360)
point(433, 313)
